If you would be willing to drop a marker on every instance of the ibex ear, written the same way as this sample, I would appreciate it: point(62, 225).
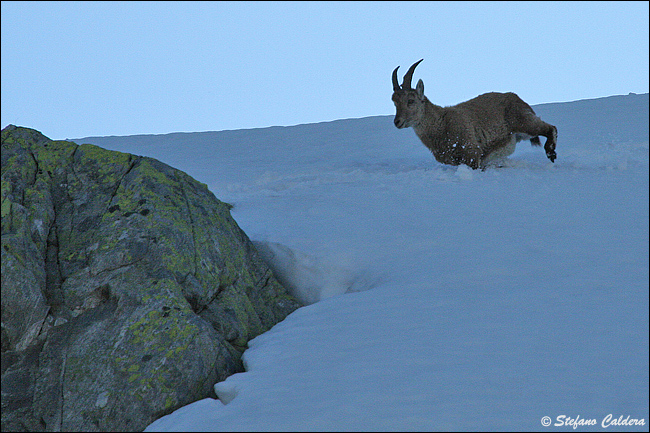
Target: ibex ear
point(420, 90)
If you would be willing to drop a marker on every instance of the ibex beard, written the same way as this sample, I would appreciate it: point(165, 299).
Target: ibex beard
point(474, 132)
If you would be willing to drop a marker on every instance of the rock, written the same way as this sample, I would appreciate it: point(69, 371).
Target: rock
point(128, 290)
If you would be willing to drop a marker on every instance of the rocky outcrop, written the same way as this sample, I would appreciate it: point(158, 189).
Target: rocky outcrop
point(127, 288)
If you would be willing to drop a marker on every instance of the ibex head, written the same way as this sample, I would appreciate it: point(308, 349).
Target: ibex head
point(408, 102)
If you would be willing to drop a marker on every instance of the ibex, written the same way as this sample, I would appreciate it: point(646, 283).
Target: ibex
point(474, 132)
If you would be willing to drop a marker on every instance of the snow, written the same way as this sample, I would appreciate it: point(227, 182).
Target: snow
point(440, 298)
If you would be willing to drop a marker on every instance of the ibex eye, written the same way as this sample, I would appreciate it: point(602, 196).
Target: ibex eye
point(410, 102)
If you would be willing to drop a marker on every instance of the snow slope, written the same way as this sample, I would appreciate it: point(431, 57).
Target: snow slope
point(441, 298)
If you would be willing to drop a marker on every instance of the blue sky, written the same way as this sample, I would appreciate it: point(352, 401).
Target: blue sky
point(76, 69)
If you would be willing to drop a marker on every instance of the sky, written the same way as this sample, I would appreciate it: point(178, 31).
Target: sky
point(78, 69)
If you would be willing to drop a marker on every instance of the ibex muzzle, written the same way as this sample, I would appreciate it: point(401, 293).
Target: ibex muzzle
point(473, 132)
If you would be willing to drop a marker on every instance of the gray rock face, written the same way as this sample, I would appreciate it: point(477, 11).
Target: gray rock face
point(127, 288)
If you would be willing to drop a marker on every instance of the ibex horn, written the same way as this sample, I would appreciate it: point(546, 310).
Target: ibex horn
point(406, 84)
point(395, 83)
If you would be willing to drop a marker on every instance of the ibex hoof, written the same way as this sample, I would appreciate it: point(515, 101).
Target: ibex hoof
point(551, 155)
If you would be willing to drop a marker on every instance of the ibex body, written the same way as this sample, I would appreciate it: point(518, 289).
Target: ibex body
point(474, 132)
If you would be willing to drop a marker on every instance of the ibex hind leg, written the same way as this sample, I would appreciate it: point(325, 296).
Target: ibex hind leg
point(551, 141)
point(533, 140)
point(536, 127)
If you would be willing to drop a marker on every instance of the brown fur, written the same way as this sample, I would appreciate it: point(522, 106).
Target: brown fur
point(473, 132)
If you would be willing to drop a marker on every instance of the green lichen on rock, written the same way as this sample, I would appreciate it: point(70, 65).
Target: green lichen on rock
point(127, 288)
